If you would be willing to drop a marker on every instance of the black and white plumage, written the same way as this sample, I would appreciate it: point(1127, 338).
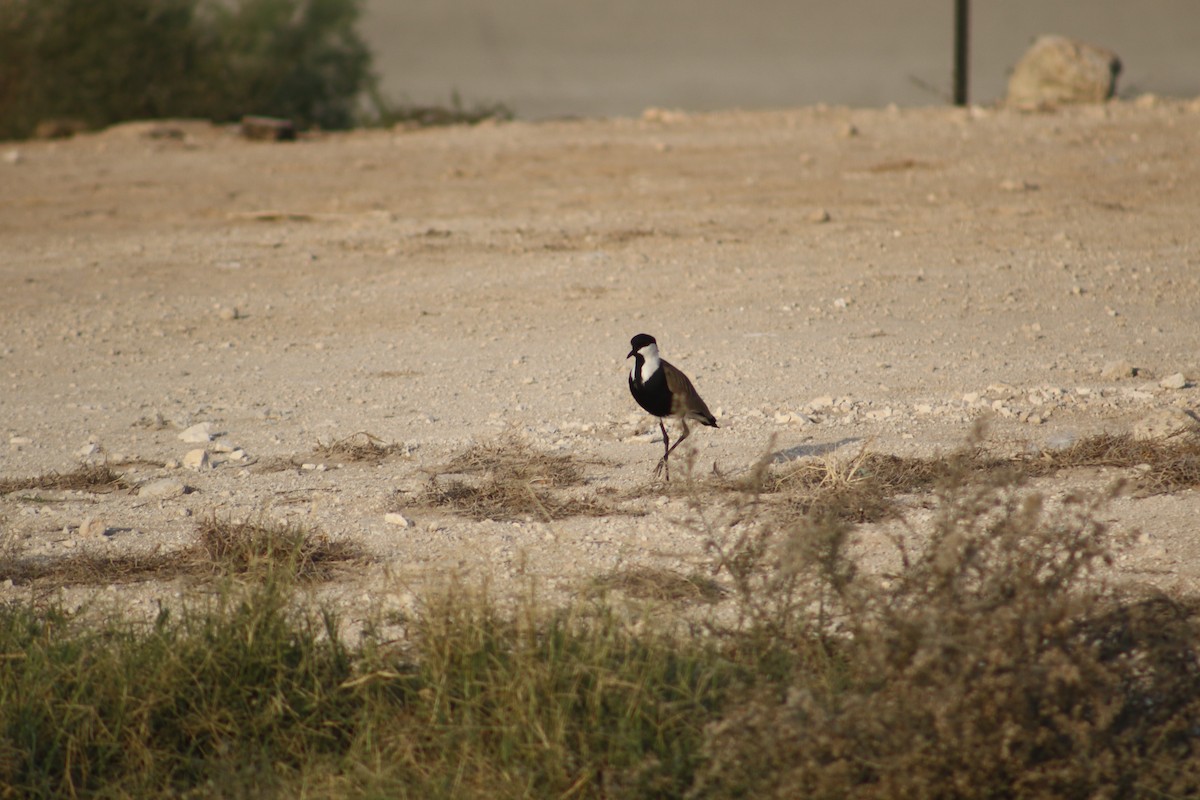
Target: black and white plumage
point(664, 391)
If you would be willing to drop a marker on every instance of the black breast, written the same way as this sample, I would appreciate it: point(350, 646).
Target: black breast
point(652, 395)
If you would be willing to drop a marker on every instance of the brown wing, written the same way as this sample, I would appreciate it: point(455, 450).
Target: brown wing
point(685, 400)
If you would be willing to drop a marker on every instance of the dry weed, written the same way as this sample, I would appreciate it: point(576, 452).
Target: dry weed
point(511, 481)
point(96, 478)
point(229, 547)
point(651, 583)
point(357, 447)
point(221, 547)
point(1167, 465)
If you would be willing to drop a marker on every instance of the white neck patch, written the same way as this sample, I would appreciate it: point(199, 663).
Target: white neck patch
point(651, 361)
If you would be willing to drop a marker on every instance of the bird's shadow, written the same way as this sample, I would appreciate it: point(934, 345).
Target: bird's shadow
point(805, 450)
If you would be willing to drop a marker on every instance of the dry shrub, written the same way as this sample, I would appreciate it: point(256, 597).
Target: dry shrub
point(229, 547)
point(651, 583)
point(993, 664)
point(222, 547)
point(357, 447)
point(864, 488)
point(506, 500)
point(88, 478)
point(511, 481)
point(94, 568)
point(510, 459)
point(1168, 465)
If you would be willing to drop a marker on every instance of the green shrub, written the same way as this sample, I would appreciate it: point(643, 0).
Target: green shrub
point(97, 62)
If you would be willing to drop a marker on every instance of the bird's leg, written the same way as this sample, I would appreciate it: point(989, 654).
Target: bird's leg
point(662, 462)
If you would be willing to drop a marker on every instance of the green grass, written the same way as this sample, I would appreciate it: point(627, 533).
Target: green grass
point(995, 661)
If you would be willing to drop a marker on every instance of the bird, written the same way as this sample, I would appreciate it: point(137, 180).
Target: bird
point(664, 391)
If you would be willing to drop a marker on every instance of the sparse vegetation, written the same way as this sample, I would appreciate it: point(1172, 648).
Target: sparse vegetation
point(257, 547)
point(222, 547)
point(994, 661)
point(87, 478)
point(511, 481)
point(389, 113)
point(358, 447)
point(650, 583)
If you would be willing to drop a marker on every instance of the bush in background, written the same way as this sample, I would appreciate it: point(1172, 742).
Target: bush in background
point(96, 62)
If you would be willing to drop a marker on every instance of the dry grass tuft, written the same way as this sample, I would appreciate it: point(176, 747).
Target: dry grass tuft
point(507, 500)
point(1167, 465)
point(651, 583)
point(509, 459)
point(240, 548)
point(358, 447)
point(221, 548)
point(864, 488)
point(95, 569)
point(96, 478)
point(511, 481)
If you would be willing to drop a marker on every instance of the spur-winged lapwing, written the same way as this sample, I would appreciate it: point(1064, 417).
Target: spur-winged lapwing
point(664, 391)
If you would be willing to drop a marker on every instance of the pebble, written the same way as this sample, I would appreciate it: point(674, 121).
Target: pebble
point(1162, 424)
point(197, 459)
point(13, 157)
point(820, 215)
point(229, 313)
point(92, 527)
point(1176, 381)
point(200, 433)
point(1116, 370)
point(399, 520)
point(162, 488)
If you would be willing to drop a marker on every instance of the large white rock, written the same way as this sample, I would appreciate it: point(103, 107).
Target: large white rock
point(197, 434)
point(1058, 71)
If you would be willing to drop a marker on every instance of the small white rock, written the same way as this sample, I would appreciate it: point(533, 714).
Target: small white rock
point(1116, 370)
point(197, 459)
point(162, 488)
point(1176, 381)
point(1163, 424)
point(399, 520)
point(197, 434)
point(92, 527)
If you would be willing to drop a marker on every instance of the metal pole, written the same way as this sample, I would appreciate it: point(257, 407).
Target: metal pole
point(962, 10)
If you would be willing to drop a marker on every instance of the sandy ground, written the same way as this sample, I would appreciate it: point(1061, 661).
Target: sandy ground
point(827, 277)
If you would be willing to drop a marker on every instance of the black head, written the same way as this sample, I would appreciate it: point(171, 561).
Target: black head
point(640, 341)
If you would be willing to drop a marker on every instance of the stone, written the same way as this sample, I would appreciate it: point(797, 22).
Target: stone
point(162, 488)
point(399, 520)
point(1176, 381)
point(200, 433)
point(197, 459)
point(92, 527)
point(268, 129)
point(1163, 424)
point(1116, 370)
point(1057, 70)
